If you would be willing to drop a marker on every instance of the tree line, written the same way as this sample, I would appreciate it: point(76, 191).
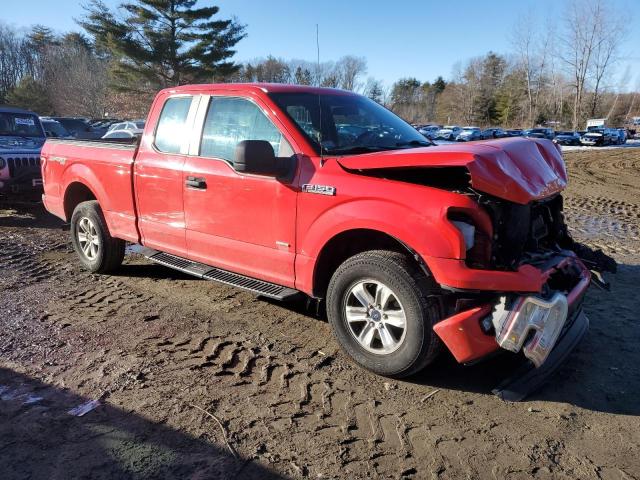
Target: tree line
point(558, 74)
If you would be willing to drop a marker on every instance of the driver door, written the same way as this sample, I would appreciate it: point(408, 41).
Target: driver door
point(239, 222)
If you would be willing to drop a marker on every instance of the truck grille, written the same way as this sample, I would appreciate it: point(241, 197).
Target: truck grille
point(17, 165)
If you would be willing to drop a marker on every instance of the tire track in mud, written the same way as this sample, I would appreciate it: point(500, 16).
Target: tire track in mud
point(601, 204)
point(296, 388)
point(22, 266)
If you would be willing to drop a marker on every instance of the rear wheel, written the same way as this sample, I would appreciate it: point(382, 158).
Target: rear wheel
point(97, 250)
point(378, 307)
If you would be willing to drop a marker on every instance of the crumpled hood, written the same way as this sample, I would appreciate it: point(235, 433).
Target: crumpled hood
point(516, 169)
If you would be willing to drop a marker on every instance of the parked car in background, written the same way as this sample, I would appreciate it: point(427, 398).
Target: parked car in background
point(448, 132)
point(547, 133)
point(101, 127)
point(514, 132)
point(54, 129)
point(493, 133)
point(78, 127)
point(122, 134)
point(599, 137)
point(567, 138)
point(21, 139)
point(429, 131)
point(622, 136)
point(127, 125)
point(469, 134)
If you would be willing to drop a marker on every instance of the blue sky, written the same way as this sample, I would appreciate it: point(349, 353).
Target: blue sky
point(401, 38)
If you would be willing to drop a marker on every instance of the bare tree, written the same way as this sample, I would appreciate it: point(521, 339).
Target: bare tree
point(76, 80)
point(14, 60)
point(589, 47)
point(532, 51)
point(611, 33)
point(349, 69)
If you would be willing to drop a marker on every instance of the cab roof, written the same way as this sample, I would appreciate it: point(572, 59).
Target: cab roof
point(258, 87)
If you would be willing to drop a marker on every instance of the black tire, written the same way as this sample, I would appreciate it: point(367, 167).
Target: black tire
point(420, 345)
point(109, 251)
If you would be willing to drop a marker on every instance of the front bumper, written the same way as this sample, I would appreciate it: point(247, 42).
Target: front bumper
point(21, 186)
point(545, 334)
point(527, 379)
point(465, 337)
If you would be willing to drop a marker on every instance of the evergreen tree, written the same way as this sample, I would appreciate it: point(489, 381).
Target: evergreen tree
point(30, 95)
point(162, 43)
point(375, 91)
point(302, 76)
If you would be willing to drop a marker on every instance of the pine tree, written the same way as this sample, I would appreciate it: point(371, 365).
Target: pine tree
point(162, 43)
point(31, 95)
point(302, 76)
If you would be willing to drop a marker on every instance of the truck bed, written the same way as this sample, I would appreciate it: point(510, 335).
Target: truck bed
point(104, 165)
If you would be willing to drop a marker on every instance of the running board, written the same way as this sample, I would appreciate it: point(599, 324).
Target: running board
point(208, 272)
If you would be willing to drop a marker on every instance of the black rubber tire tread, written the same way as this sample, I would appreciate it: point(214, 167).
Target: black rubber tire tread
point(409, 281)
point(111, 253)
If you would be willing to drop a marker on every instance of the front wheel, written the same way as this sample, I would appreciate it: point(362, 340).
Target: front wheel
point(378, 308)
point(97, 250)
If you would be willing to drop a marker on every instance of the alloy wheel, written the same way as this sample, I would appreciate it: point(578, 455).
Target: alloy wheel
point(375, 317)
point(88, 238)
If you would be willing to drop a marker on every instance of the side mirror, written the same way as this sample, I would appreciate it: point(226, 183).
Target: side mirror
point(256, 156)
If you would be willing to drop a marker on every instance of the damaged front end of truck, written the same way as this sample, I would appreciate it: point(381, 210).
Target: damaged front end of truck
point(521, 282)
point(546, 325)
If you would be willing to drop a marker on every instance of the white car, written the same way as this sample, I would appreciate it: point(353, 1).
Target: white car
point(449, 132)
point(128, 125)
point(122, 134)
point(429, 131)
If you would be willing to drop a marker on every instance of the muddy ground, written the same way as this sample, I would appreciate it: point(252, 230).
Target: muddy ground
point(159, 349)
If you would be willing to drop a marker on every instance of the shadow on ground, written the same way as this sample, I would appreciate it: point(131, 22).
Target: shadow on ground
point(27, 214)
point(39, 439)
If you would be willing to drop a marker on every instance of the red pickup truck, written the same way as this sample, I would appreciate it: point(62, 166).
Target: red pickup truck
point(285, 190)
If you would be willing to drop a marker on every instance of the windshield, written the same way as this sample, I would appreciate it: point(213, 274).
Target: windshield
point(350, 124)
point(20, 125)
point(73, 125)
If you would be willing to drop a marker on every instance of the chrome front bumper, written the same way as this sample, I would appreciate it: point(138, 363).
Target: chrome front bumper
point(530, 324)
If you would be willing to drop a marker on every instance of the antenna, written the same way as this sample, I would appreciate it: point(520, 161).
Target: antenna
point(318, 85)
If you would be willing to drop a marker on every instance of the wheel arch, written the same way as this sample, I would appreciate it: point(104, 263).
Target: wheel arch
point(351, 242)
point(76, 193)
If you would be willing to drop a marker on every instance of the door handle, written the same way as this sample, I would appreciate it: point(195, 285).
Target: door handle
point(196, 182)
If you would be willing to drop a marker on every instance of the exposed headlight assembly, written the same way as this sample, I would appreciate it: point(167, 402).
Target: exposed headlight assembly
point(468, 233)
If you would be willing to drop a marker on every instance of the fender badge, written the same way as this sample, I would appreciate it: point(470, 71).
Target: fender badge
point(319, 189)
point(60, 160)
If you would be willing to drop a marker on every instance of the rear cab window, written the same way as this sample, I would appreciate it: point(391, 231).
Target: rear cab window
point(172, 131)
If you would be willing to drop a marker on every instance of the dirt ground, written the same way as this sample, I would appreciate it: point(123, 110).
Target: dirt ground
point(169, 357)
